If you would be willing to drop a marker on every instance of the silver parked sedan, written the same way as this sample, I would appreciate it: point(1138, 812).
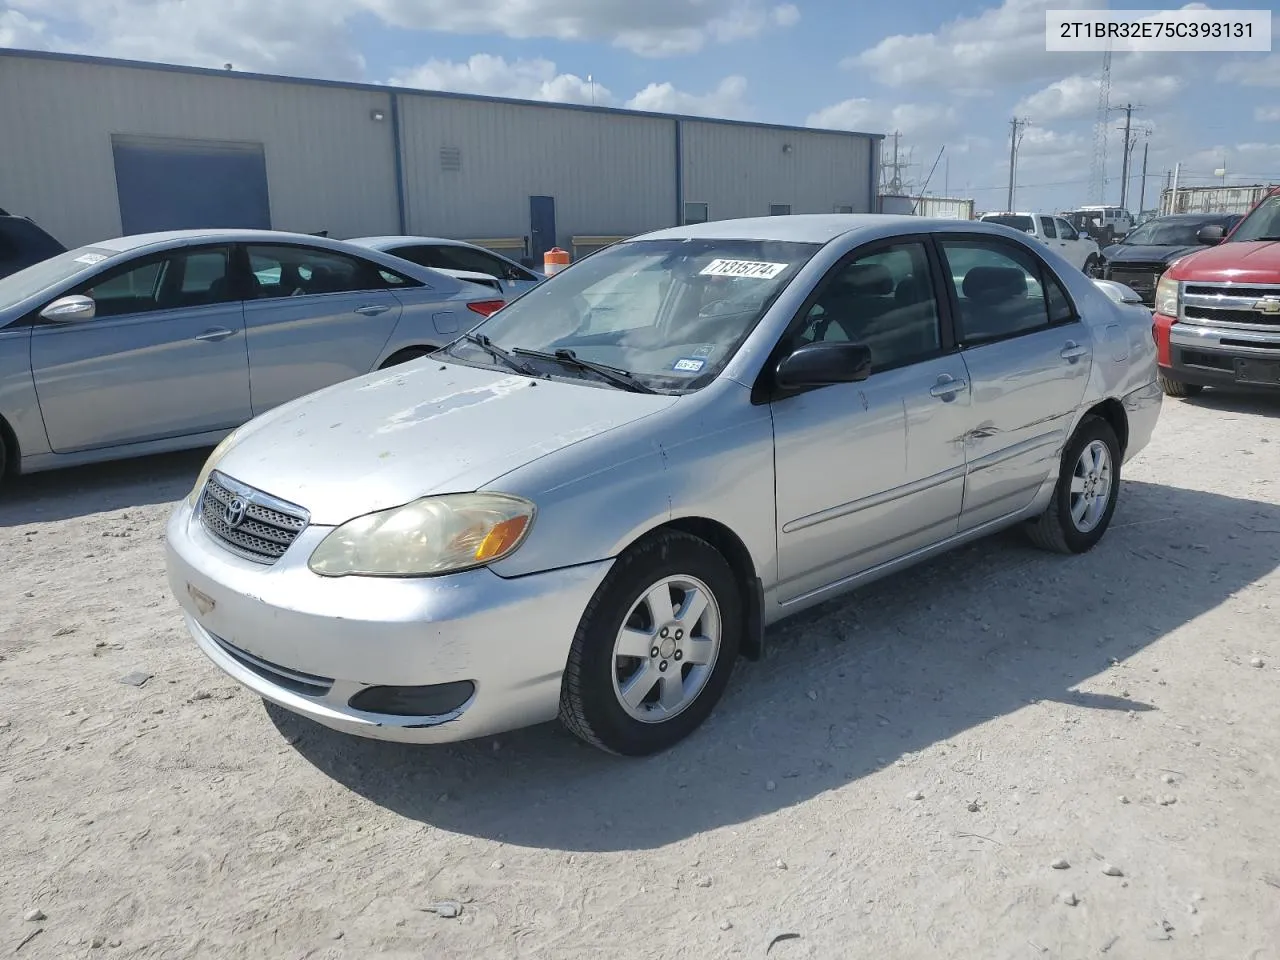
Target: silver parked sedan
point(160, 342)
point(457, 258)
point(593, 503)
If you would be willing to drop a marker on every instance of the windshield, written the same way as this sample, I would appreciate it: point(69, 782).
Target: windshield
point(670, 312)
point(47, 273)
point(1167, 233)
point(1263, 223)
point(1018, 223)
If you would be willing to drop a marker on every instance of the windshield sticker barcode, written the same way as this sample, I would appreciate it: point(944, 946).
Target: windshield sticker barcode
point(742, 268)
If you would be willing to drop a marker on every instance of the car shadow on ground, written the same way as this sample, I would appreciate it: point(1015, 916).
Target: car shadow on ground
point(98, 488)
point(844, 690)
point(1260, 401)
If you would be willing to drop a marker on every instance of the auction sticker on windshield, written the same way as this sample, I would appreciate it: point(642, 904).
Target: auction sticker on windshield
point(754, 269)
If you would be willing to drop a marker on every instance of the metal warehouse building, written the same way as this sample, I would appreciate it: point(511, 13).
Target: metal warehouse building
point(92, 148)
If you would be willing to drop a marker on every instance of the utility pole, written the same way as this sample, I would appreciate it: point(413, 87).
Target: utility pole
point(893, 185)
point(1128, 109)
point(1017, 126)
point(1142, 198)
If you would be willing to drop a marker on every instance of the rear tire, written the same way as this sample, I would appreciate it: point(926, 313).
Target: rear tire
point(655, 647)
point(1084, 498)
point(1176, 388)
point(4, 458)
point(405, 355)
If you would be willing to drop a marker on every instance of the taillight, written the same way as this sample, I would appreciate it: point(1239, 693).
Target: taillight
point(486, 308)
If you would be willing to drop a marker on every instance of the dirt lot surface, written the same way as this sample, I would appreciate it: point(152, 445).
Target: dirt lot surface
point(895, 780)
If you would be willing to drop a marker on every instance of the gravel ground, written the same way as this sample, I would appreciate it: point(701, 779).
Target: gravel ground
point(1002, 754)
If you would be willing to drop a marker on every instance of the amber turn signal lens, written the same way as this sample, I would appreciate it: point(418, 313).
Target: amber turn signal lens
point(501, 538)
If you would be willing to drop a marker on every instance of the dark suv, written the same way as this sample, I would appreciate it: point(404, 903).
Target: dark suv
point(1139, 260)
point(22, 243)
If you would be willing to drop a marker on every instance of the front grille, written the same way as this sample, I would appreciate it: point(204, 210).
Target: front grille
point(1141, 278)
point(248, 522)
point(307, 684)
point(1232, 306)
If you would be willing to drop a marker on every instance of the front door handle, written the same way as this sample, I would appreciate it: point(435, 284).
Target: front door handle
point(214, 335)
point(372, 309)
point(946, 387)
point(1073, 351)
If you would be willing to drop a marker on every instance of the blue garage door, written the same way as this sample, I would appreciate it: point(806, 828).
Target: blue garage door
point(190, 184)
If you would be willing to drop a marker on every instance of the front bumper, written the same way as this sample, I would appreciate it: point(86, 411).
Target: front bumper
point(1213, 356)
point(310, 643)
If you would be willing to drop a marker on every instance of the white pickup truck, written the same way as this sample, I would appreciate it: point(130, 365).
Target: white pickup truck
point(1054, 232)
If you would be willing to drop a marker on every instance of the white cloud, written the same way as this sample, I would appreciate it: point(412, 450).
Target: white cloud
point(727, 100)
point(1077, 96)
point(787, 15)
point(931, 121)
point(1266, 114)
point(972, 54)
point(538, 80)
point(314, 38)
point(496, 77)
point(19, 30)
point(1252, 71)
point(654, 28)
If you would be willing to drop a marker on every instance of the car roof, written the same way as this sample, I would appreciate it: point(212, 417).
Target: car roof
point(137, 241)
point(795, 228)
point(388, 241)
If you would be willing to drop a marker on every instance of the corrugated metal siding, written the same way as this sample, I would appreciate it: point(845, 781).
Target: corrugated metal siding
point(608, 174)
point(329, 165)
point(740, 171)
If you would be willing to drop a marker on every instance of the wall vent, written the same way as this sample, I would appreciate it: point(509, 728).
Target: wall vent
point(450, 158)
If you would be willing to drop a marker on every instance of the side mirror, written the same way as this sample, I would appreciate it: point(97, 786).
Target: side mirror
point(69, 310)
point(1211, 233)
point(822, 364)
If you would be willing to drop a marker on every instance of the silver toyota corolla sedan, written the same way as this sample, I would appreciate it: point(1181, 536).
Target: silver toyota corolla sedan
point(166, 341)
point(592, 503)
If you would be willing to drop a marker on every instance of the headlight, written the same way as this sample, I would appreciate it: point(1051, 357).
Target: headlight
point(1167, 297)
point(430, 536)
point(219, 452)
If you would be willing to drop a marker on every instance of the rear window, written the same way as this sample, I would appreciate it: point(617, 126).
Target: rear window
point(1018, 223)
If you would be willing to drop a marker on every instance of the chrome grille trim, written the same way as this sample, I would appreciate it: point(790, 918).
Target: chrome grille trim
point(1229, 305)
point(270, 525)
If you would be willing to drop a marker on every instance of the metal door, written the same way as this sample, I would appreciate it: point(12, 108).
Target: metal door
point(167, 184)
point(542, 226)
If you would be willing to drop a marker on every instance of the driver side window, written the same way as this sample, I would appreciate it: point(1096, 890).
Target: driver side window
point(884, 300)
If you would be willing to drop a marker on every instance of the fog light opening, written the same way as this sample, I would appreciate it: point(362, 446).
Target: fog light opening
point(435, 700)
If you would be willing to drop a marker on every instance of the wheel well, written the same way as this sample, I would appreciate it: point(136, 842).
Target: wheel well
point(1112, 411)
point(739, 559)
point(10, 441)
point(404, 354)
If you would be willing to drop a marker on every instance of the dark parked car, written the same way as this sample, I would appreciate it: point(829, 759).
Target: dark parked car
point(22, 243)
point(1140, 258)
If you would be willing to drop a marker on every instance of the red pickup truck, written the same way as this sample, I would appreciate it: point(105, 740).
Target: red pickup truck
point(1217, 311)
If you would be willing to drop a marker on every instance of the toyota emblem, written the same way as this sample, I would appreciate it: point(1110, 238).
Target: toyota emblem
point(235, 511)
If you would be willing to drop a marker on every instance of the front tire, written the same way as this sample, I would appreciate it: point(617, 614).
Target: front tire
point(655, 647)
point(1176, 388)
point(1084, 498)
point(1092, 268)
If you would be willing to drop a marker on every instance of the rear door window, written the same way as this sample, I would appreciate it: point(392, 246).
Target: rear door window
point(296, 271)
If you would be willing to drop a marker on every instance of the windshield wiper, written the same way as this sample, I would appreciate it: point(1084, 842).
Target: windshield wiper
point(618, 377)
point(498, 353)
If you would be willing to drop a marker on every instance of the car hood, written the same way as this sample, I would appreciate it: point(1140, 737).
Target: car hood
point(1133, 253)
point(1249, 261)
point(425, 427)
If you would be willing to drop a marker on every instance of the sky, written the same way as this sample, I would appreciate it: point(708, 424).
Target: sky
point(947, 74)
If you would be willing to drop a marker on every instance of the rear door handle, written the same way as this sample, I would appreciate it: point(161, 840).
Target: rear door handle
point(1073, 351)
point(214, 335)
point(372, 309)
point(946, 388)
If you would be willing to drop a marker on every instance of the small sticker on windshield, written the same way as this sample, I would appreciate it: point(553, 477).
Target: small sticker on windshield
point(90, 258)
point(689, 364)
point(753, 269)
point(706, 350)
